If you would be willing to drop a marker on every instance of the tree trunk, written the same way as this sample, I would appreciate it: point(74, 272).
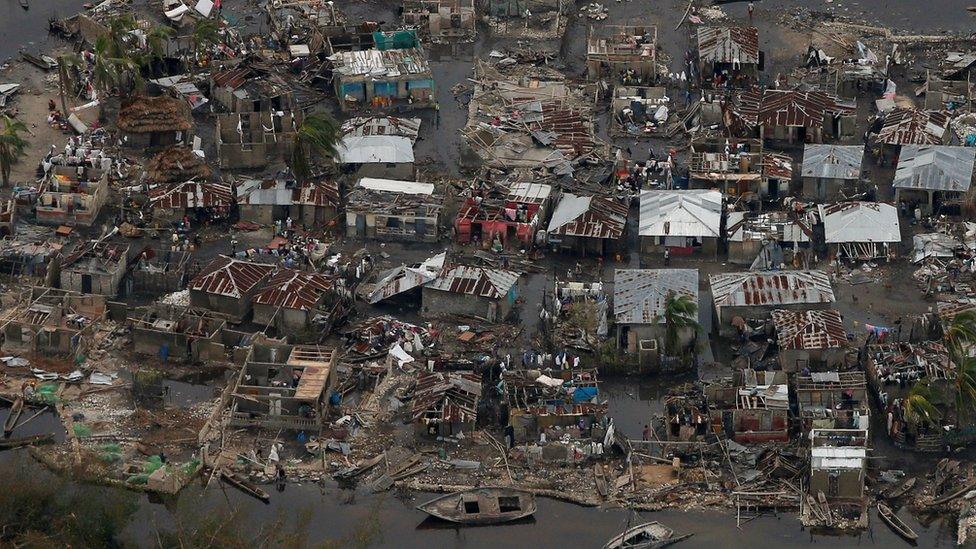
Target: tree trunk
point(62, 86)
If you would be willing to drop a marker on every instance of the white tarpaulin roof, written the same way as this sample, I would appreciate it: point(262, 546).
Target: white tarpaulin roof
point(395, 186)
point(373, 149)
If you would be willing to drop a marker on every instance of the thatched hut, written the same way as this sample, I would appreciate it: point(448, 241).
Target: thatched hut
point(150, 122)
point(177, 164)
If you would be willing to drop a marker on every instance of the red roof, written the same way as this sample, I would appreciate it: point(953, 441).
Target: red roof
point(230, 277)
point(291, 289)
point(318, 194)
point(191, 195)
point(231, 78)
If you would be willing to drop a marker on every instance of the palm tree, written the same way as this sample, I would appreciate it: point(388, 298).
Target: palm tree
point(680, 312)
point(920, 407)
point(206, 33)
point(960, 332)
point(959, 336)
point(965, 388)
point(66, 64)
point(318, 135)
point(110, 70)
point(12, 146)
point(156, 41)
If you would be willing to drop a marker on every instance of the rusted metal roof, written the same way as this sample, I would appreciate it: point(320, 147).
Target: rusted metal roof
point(809, 330)
point(796, 108)
point(903, 126)
point(770, 288)
point(447, 396)
point(323, 193)
point(777, 165)
point(191, 195)
point(231, 78)
point(640, 295)
point(230, 277)
point(588, 217)
point(478, 281)
point(728, 44)
point(297, 290)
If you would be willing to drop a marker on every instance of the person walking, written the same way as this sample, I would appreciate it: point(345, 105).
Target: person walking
point(751, 9)
point(667, 256)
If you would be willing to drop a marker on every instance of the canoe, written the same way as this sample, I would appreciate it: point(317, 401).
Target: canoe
point(244, 485)
point(650, 535)
point(490, 505)
point(601, 480)
point(900, 490)
point(952, 495)
point(895, 523)
point(15, 411)
point(43, 61)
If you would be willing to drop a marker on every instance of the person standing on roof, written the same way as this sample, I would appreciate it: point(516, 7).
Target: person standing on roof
point(751, 9)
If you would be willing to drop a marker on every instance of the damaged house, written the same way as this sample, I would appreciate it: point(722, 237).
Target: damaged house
point(553, 401)
point(395, 72)
point(37, 260)
point(933, 175)
point(293, 301)
point(729, 54)
point(311, 204)
point(176, 164)
point(380, 156)
point(838, 467)
point(639, 111)
point(474, 291)
point(755, 294)
point(831, 172)
point(910, 126)
point(752, 407)
point(154, 122)
point(198, 201)
point(622, 54)
point(833, 400)
point(227, 286)
point(759, 239)
point(284, 386)
point(795, 116)
point(684, 221)
point(182, 334)
point(513, 220)
point(399, 281)
point(393, 210)
point(812, 340)
point(640, 298)
point(733, 166)
point(587, 224)
point(242, 90)
point(53, 322)
point(861, 230)
point(252, 140)
point(95, 268)
point(72, 196)
point(160, 271)
point(442, 22)
point(445, 404)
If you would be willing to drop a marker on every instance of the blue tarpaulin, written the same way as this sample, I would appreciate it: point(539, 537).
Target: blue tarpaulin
point(585, 394)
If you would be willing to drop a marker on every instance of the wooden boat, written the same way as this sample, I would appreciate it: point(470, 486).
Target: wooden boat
point(482, 506)
point(900, 490)
point(13, 417)
point(45, 62)
point(952, 495)
point(650, 535)
point(825, 506)
point(244, 485)
point(601, 480)
point(815, 509)
point(355, 471)
point(10, 443)
point(895, 523)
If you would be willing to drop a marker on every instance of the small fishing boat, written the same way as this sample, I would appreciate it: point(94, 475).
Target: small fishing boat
point(650, 535)
point(45, 62)
point(244, 485)
point(895, 523)
point(15, 411)
point(482, 506)
point(900, 490)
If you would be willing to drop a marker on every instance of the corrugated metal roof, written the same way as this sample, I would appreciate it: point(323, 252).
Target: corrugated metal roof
point(478, 281)
point(903, 126)
point(191, 195)
point(639, 295)
point(291, 289)
point(770, 288)
point(690, 213)
point(860, 222)
point(728, 44)
point(775, 108)
point(588, 217)
point(832, 161)
point(809, 330)
point(372, 149)
point(404, 278)
point(395, 186)
point(230, 277)
point(529, 193)
point(321, 193)
point(937, 168)
point(231, 78)
point(380, 64)
point(777, 165)
point(382, 125)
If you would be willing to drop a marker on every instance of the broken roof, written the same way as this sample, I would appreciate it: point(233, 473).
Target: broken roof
point(405, 278)
point(640, 295)
point(191, 195)
point(935, 168)
point(797, 108)
point(319, 193)
point(230, 277)
point(770, 288)
point(728, 44)
point(777, 226)
point(690, 213)
point(904, 126)
point(528, 193)
point(832, 161)
point(809, 330)
point(450, 396)
point(860, 222)
point(382, 125)
point(588, 217)
point(377, 64)
point(370, 149)
point(477, 281)
point(291, 289)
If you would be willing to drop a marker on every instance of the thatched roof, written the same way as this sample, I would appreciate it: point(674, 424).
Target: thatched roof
point(176, 165)
point(154, 114)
